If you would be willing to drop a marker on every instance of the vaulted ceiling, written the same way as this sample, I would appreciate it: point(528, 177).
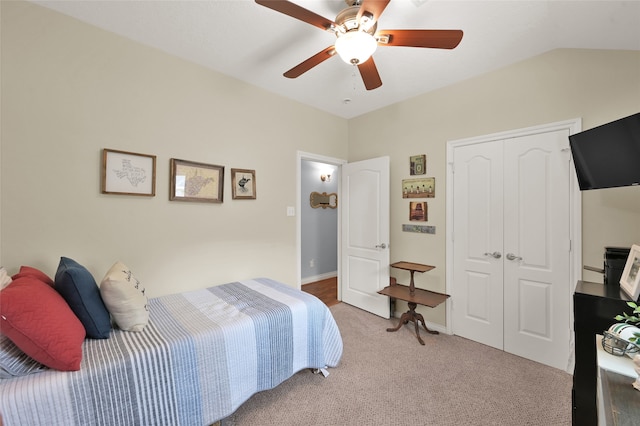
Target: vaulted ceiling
point(257, 45)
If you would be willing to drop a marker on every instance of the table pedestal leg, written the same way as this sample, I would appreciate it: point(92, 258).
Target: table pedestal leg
point(416, 318)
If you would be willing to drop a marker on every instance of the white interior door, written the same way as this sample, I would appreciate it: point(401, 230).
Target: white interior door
point(511, 261)
point(365, 234)
point(537, 248)
point(478, 222)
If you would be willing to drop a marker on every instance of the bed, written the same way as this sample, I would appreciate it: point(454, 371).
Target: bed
point(202, 354)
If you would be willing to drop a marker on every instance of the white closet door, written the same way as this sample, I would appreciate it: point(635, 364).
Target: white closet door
point(536, 248)
point(511, 237)
point(478, 239)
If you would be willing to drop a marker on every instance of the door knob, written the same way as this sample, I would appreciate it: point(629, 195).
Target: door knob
point(512, 256)
point(495, 254)
point(382, 246)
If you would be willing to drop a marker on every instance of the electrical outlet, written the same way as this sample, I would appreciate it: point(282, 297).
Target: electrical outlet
point(312, 263)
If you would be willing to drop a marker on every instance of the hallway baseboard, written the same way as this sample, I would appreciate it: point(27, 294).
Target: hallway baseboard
point(320, 277)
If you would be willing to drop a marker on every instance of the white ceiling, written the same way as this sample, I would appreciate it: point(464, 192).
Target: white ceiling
point(257, 45)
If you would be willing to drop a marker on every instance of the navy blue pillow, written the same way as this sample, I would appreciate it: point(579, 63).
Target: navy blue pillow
point(78, 287)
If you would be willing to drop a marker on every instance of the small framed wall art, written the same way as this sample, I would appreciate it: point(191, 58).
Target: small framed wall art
point(418, 165)
point(243, 184)
point(199, 182)
point(418, 211)
point(419, 188)
point(630, 279)
point(128, 173)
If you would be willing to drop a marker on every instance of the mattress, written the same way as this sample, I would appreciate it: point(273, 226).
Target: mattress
point(202, 355)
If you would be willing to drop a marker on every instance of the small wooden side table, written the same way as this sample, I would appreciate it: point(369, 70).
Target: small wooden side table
point(413, 296)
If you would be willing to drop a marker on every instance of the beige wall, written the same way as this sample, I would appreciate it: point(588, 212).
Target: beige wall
point(69, 90)
point(597, 86)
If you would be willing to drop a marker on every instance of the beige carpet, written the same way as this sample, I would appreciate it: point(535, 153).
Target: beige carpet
point(390, 379)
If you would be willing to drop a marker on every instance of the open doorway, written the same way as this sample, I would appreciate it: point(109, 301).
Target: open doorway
point(318, 226)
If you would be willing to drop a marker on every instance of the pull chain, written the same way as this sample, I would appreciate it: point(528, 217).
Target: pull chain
point(353, 79)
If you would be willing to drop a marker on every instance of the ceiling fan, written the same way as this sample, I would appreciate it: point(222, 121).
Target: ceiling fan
point(357, 37)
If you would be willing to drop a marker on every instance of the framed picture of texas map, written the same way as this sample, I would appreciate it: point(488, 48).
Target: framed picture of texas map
point(128, 173)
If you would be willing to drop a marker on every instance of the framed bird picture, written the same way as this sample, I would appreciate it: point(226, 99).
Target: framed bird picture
point(243, 184)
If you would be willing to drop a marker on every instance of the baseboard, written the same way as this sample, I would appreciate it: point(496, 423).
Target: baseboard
point(320, 277)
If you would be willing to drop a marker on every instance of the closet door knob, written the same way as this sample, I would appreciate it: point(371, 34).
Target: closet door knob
point(512, 256)
point(382, 246)
point(495, 254)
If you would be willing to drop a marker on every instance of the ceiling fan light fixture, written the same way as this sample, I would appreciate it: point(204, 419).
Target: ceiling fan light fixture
point(355, 47)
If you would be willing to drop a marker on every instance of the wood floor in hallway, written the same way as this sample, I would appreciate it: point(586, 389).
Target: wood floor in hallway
point(325, 290)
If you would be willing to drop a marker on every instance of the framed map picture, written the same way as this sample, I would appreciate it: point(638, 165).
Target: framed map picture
point(418, 165)
point(128, 173)
point(243, 184)
point(198, 182)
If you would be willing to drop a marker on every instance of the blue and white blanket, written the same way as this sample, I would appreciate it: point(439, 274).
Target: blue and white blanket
point(201, 356)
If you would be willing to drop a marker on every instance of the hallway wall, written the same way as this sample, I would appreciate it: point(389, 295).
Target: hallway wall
point(319, 227)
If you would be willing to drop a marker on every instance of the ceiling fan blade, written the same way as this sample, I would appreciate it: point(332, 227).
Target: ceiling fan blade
point(298, 12)
point(374, 7)
point(305, 66)
point(369, 73)
point(436, 39)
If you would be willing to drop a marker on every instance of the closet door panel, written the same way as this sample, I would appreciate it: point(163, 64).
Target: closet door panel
point(478, 273)
point(536, 245)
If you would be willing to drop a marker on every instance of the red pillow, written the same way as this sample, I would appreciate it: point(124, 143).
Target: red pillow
point(39, 321)
point(28, 271)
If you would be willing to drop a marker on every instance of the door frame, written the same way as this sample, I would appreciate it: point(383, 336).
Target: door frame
point(307, 156)
point(575, 268)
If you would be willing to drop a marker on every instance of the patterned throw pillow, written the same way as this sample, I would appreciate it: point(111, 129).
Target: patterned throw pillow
point(125, 298)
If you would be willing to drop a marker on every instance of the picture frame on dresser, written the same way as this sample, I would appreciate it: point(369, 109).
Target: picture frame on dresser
point(196, 182)
point(128, 173)
point(630, 279)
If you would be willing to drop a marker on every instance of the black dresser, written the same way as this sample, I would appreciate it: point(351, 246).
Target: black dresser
point(594, 306)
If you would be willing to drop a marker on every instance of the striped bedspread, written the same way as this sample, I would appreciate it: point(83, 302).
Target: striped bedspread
point(201, 356)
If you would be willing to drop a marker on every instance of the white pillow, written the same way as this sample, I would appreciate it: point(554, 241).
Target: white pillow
point(124, 297)
point(5, 279)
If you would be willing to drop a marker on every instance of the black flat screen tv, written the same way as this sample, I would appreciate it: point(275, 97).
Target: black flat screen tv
point(608, 156)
